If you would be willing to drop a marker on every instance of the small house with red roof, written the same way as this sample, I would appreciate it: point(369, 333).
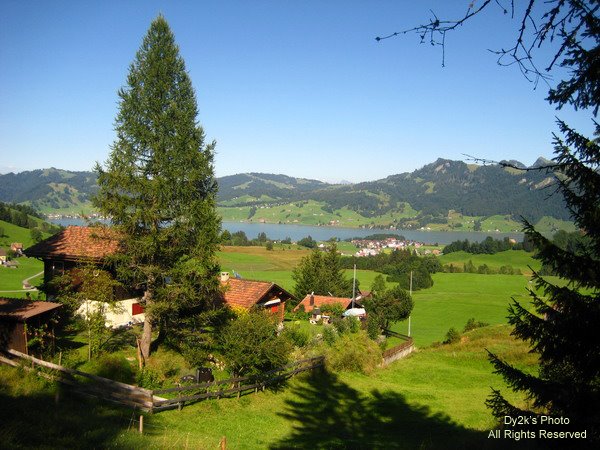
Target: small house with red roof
point(247, 294)
point(312, 301)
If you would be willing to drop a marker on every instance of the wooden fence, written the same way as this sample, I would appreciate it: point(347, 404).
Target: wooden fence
point(400, 350)
point(85, 383)
point(148, 400)
point(232, 386)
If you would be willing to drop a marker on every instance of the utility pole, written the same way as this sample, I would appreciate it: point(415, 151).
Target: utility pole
point(354, 287)
point(410, 293)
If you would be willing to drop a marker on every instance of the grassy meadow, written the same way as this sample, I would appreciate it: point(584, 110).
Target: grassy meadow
point(518, 259)
point(457, 297)
point(11, 279)
point(432, 399)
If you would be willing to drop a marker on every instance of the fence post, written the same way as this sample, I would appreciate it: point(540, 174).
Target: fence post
point(141, 424)
point(223, 443)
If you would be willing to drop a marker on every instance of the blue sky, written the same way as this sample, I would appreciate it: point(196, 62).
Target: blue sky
point(300, 88)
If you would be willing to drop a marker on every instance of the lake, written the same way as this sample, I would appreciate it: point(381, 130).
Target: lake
point(296, 232)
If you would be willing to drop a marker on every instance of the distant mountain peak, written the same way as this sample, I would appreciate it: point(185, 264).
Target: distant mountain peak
point(541, 162)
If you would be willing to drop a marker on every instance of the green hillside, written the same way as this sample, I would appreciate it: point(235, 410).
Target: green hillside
point(13, 233)
point(444, 195)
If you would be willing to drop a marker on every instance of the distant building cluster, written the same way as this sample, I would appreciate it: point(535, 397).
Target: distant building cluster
point(371, 247)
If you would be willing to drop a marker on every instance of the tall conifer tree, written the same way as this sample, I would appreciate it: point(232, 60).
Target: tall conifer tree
point(158, 186)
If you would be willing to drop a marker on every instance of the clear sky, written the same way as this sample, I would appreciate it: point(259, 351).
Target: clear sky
point(300, 88)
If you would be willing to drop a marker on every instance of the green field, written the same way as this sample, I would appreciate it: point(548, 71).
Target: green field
point(456, 297)
point(13, 233)
point(518, 259)
point(12, 279)
point(432, 399)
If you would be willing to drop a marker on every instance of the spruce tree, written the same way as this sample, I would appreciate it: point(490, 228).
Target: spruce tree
point(158, 186)
point(321, 272)
point(563, 329)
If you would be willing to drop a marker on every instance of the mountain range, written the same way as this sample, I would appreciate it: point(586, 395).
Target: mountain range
point(430, 194)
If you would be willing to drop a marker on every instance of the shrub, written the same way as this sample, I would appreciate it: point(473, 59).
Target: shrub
point(353, 353)
point(250, 345)
point(114, 367)
point(353, 324)
point(341, 325)
point(373, 327)
point(296, 336)
point(472, 324)
point(148, 378)
point(452, 336)
point(329, 335)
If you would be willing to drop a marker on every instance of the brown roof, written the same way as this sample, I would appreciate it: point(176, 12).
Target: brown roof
point(20, 309)
point(76, 243)
point(247, 293)
point(322, 300)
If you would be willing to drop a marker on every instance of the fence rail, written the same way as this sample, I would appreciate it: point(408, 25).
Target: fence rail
point(148, 400)
point(400, 350)
point(239, 385)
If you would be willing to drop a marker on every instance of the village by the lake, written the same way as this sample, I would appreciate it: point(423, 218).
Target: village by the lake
point(186, 265)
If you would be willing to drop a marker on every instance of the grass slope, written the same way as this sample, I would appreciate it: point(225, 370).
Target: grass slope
point(432, 399)
point(12, 279)
point(518, 259)
point(456, 297)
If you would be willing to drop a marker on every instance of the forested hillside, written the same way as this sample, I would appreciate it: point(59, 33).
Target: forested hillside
point(426, 196)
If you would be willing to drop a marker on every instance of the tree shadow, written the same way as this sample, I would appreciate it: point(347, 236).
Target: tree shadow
point(328, 413)
point(54, 418)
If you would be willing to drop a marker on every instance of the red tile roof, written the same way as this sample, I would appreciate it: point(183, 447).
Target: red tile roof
point(247, 293)
point(77, 243)
point(321, 300)
point(19, 309)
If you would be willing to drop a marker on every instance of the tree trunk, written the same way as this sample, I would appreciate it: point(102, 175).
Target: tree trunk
point(147, 332)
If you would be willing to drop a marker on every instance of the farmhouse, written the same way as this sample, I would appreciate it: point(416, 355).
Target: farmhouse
point(20, 320)
point(17, 247)
point(246, 294)
point(71, 247)
point(3, 256)
point(76, 245)
point(311, 302)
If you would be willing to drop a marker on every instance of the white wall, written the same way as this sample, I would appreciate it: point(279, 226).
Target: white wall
point(116, 316)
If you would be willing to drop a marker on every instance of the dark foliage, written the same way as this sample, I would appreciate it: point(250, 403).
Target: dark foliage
point(398, 265)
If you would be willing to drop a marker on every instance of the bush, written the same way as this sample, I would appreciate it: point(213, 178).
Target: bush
point(250, 345)
point(114, 367)
point(452, 336)
point(329, 335)
point(353, 353)
point(148, 378)
point(472, 324)
point(353, 324)
point(296, 336)
point(341, 325)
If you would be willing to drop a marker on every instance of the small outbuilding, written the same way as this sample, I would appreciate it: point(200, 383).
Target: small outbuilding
point(20, 320)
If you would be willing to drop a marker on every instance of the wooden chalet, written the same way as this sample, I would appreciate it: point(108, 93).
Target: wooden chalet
point(75, 246)
point(247, 294)
point(311, 302)
point(21, 319)
point(71, 247)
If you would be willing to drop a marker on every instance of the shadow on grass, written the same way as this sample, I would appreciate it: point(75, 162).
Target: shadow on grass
point(328, 413)
point(47, 416)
